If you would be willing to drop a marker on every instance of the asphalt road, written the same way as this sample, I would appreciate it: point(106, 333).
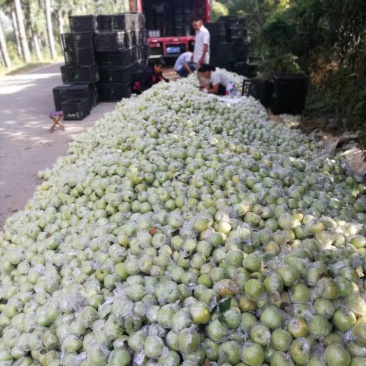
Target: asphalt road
point(26, 144)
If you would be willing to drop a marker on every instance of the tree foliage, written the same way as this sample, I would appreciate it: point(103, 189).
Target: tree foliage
point(218, 10)
point(324, 38)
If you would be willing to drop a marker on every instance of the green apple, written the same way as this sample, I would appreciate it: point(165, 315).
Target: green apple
point(97, 356)
point(119, 357)
point(316, 360)
point(188, 341)
point(273, 283)
point(252, 354)
point(88, 316)
point(327, 288)
point(229, 351)
point(343, 320)
point(355, 350)
point(319, 327)
point(300, 293)
point(200, 313)
point(248, 320)
point(217, 331)
point(260, 334)
point(300, 351)
point(153, 346)
point(289, 274)
point(297, 327)
point(301, 310)
point(232, 317)
point(271, 317)
point(77, 328)
point(252, 262)
point(359, 332)
point(358, 361)
point(101, 274)
point(254, 289)
point(211, 349)
point(332, 338)
point(72, 343)
point(281, 339)
point(324, 307)
point(120, 269)
point(281, 359)
point(336, 355)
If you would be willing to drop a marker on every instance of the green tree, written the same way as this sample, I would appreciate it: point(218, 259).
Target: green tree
point(217, 10)
point(22, 33)
point(4, 49)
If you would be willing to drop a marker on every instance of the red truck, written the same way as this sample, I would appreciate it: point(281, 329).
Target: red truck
point(169, 23)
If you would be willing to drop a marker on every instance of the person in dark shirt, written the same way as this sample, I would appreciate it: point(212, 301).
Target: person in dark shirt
point(149, 77)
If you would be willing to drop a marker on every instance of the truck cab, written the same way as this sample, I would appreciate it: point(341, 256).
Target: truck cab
point(169, 23)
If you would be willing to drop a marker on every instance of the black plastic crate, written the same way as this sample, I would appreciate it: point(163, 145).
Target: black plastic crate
point(188, 17)
point(179, 31)
point(242, 22)
point(147, 50)
point(230, 21)
point(178, 9)
point(289, 93)
point(115, 75)
point(122, 58)
point(240, 68)
point(227, 65)
point(222, 29)
point(79, 56)
point(141, 37)
point(251, 70)
point(109, 41)
point(133, 55)
point(226, 52)
point(237, 33)
point(134, 21)
point(79, 74)
point(255, 59)
point(60, 94)
point(141, 21)
point(82, 23)
point(72, 41)
point(179, 24)
point(137, 74)
point(113, 92)
point(261, 90)
point(142, 63)
point(240, 42)
point(143, 52)
point(75, 91)
point(178, 17)
point(81, 91)
point(131, 39)
point(114, 22)
point(213, 28)
point(215, 41)
point(75, 109)
point(241, 54)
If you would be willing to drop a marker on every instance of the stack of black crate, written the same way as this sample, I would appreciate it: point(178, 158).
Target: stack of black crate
point(229, 46)
point(120, 48)
point(78, 95)
point(182, 16)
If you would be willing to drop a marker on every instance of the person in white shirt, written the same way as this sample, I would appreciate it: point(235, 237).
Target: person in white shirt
point(220, 83)
point(201, 53)
point(184, 65)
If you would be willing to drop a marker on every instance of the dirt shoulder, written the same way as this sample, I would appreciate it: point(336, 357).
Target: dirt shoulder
point(26, 144)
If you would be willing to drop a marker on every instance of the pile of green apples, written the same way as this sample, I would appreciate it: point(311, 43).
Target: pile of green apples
point(184, 230)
